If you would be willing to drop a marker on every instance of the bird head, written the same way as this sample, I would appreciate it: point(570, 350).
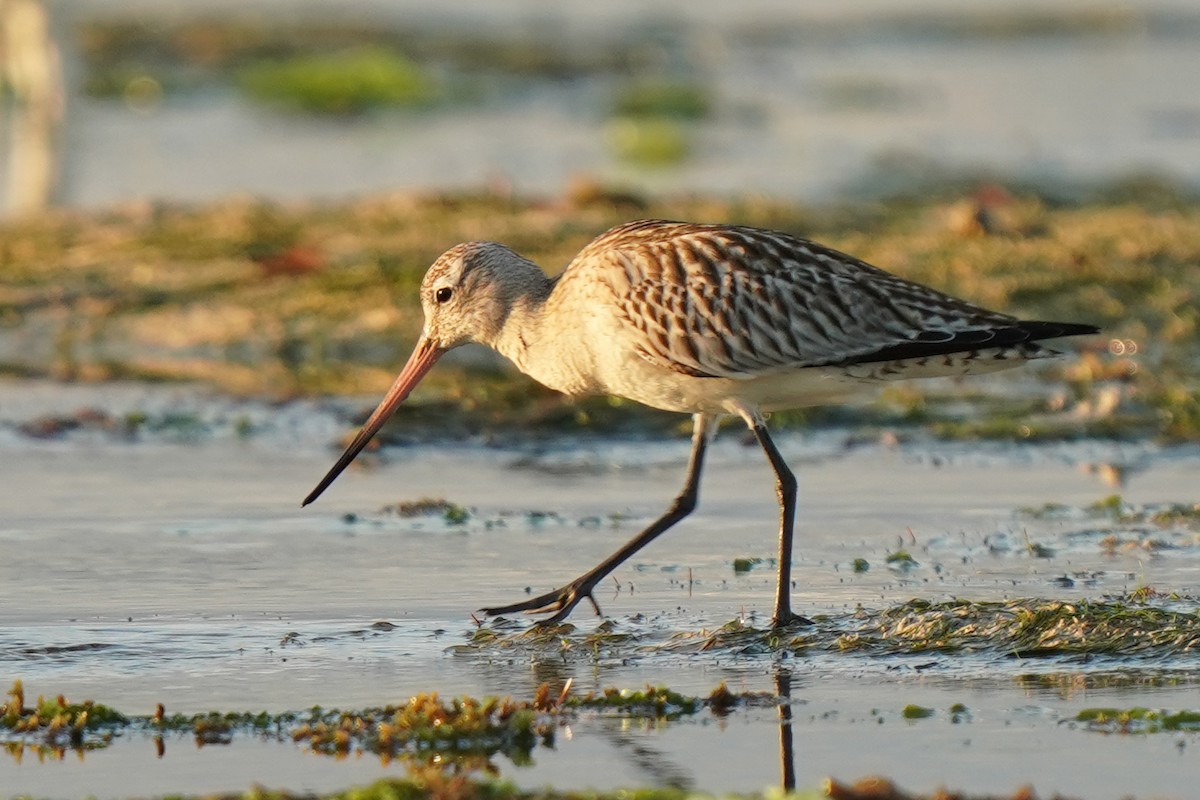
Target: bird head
point(469, 292)
point(466, 295)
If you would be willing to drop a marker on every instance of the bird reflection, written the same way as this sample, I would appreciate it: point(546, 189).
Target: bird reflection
point(787, 763)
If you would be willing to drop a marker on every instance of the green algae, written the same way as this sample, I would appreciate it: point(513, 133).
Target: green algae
point(347, 82)
point(661, 98)
point(743, 565)
point(655, 702)
point(446, 745)
point(649, 124)
point(1030, 628)
point(503, 637)
point(901, 560)
point(871, 788)
point(191, 53)
point(1011, 629)
point(53, 714)
point(1180, 516)
point(1140, 629)
point(459, 730)
point(913, 711)
point(54, 725)
point(1112, 506)
point(451, 513)
point(460, 734)
point(1138, 720)
point(648, 141)
point(462, 787)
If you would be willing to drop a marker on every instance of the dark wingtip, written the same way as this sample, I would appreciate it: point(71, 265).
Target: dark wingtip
point(1053, 330)
point(940, 342)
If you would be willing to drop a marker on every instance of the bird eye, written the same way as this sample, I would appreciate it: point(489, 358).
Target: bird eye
point(443, 294)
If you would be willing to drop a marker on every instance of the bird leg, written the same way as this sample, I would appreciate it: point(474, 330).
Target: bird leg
point(563, 601)
point(785, 489)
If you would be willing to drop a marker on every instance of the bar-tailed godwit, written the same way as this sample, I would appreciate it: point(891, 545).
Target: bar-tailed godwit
point(711, 320)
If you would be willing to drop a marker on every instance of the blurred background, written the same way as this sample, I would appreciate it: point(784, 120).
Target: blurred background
point(246, 194)
point(214, 219)
point(107, 101)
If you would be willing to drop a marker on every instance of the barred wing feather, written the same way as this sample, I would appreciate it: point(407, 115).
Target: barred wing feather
point(738, 302)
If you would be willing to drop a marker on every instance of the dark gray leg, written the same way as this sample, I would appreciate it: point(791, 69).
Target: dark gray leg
point(563, 600)
point(785, 489)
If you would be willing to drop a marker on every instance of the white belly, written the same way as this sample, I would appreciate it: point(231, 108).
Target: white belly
point(662, 388)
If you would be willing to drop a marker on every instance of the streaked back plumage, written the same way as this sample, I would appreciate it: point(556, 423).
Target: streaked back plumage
point(737, 302)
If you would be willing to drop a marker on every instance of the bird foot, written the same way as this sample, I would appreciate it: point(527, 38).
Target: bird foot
point(787, 619)
point(561, 601)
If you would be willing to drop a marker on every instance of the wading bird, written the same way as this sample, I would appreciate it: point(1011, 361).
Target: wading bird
point(711, 320)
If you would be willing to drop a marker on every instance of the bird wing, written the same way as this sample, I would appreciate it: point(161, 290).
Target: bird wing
point(736, 302)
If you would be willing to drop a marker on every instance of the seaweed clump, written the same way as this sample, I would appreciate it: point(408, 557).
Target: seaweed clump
point(1137, 720)
point(54, 725)
point(657, 702)
point(441, 730)
point(437, 739)
point(1010, 629)
point(1028, 628)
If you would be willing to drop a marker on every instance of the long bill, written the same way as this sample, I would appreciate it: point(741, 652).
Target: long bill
point(423, 357)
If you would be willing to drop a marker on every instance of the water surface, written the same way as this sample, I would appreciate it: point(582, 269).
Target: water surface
point(184, 572)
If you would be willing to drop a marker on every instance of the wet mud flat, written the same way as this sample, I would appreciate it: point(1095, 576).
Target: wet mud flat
point(977, 607)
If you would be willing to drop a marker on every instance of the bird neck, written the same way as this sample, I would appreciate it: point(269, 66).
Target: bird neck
point(533, 338)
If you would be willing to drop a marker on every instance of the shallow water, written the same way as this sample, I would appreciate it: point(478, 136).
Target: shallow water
point(185, 572)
